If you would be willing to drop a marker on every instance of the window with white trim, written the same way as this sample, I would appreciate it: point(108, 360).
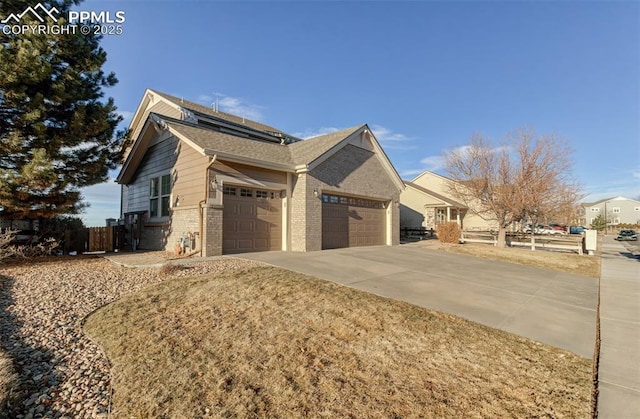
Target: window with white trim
point(615, 210)
point(636, 208)
point(595, 209)
point(159, 196)
point(616, 220)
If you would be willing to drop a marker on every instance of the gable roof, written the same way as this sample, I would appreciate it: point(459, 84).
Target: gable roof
point(430, 173)
point(217, 114)
point(210, 142)
point(237, 139)
point(286, 157)
point(619, 198)
point(442, 198)
point(306, 151)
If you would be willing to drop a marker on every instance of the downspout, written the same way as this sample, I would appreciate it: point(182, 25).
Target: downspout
point(201, 209)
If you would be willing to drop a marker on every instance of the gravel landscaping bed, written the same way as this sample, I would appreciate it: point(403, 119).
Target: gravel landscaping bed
point(60, 372)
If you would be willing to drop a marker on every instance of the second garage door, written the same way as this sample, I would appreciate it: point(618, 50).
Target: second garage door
point(350, 222)
point(252, 220)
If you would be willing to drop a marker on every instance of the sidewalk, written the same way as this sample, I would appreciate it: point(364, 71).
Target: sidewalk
point(619, 373)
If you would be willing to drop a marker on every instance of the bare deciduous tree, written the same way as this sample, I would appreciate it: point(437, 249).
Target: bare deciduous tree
point(525, 178)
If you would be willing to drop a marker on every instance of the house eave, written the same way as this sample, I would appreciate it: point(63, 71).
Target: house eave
point(234, 158)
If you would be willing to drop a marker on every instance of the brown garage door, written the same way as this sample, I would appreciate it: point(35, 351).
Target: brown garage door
point(350, 222)
point(252, 220)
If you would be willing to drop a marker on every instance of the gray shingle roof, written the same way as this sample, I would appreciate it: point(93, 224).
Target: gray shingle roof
point(198, 108)
point(233, 145)
point(291, 155)
point(304, 152)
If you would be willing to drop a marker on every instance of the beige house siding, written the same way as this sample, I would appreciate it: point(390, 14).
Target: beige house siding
point(433, 182)
point(186, 166)
point(412, 209)
point(342, 164)
point(418, 209)
point(188, 176)
point(473, 221)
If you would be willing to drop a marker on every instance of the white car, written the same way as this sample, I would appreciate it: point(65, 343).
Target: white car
point(527, 229)
point(551, 230)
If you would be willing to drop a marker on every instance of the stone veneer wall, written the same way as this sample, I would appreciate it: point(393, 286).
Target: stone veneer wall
point(212, 230)
point(152, 237)
point(351, 171)
point(297, 212)
point(306, 215)
point(184, 220)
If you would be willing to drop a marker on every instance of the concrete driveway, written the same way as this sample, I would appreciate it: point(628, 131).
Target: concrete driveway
point(555, 308)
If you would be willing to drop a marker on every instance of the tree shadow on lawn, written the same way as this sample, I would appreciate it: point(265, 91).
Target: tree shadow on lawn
point(35, 381)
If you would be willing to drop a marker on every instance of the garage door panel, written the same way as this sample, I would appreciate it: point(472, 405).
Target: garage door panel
point(349, 222)
point(251, 223)
point(245, 209)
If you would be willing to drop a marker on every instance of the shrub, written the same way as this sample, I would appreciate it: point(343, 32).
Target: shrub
point(6, 243)
point(10, 249)
point(448, 232)
point(169, 269)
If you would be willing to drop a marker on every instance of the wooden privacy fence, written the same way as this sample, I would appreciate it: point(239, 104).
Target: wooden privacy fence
point(571, 242)
point(100, 239)
point(94, 239)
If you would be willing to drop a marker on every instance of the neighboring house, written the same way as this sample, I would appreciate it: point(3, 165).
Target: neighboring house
point(615, 210)
point(427, 202)
point(221, 184)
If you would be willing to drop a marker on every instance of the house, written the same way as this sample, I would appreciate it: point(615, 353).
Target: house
point(428, 202)
point(616, 211)
point(215, 183)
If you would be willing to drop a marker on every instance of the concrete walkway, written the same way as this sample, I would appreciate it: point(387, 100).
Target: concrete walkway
point(619, 376)
point(555, 308)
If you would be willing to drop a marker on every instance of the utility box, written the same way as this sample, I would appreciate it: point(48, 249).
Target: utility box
point(590, 241)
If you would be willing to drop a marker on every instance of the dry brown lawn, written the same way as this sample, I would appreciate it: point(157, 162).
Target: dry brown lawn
point(267, 342)
point(554, 260)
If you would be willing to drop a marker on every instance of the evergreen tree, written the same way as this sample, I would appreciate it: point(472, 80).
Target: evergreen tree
point(598, 223)
point(57, 133)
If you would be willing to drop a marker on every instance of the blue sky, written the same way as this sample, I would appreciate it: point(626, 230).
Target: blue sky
point(424, 75)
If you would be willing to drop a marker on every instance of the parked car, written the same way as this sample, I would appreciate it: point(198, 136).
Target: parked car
point(551, 230)
point(527, 229)
point(558, 227)
point(627, 235)
point(577, 229)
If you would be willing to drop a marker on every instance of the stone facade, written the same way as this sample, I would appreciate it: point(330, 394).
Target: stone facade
point(206, 151)
point(212, 230)
point(154, 236)
point(184, 220)
point(350, 171)
point(298, 213)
